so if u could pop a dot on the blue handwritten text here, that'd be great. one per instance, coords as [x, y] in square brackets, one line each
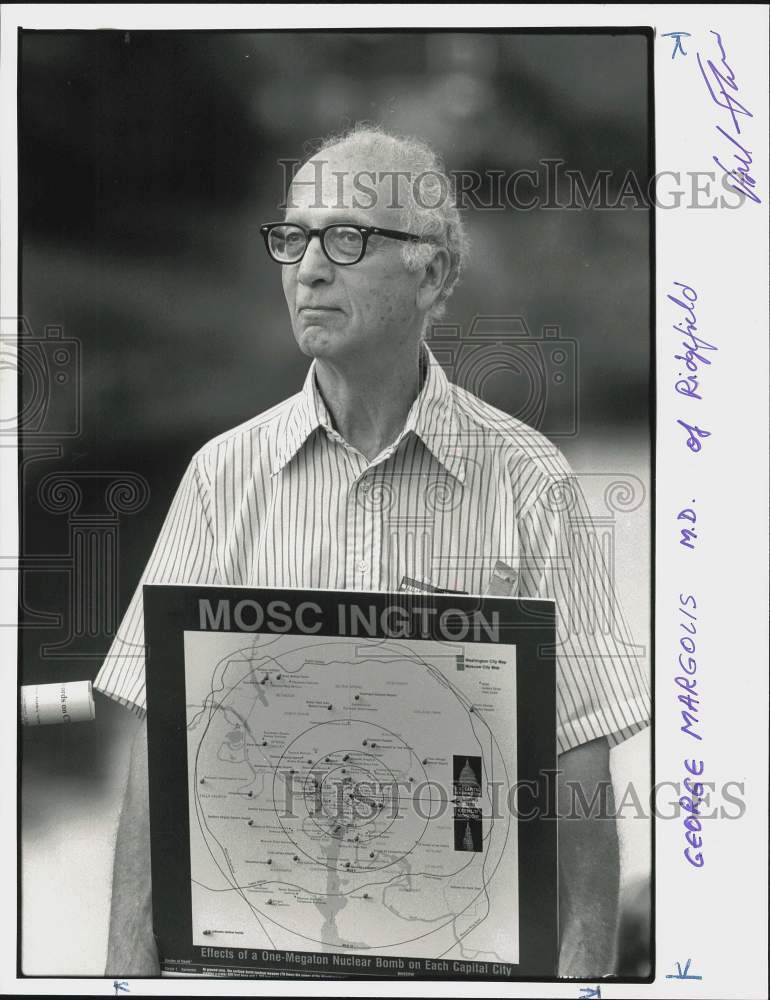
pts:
[721, 83]
[693, 357]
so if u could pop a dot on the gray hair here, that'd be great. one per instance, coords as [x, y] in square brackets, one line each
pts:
[433, 214]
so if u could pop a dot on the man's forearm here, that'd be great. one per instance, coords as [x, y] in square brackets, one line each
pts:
[131, 949]
[589, 864]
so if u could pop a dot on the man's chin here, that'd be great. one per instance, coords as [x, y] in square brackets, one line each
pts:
[317, 341]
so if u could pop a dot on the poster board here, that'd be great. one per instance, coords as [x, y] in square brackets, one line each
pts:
[341, 784]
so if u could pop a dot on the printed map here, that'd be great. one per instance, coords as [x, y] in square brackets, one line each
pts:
[352, 795]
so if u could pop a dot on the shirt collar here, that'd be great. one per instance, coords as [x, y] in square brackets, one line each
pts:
[431, 417]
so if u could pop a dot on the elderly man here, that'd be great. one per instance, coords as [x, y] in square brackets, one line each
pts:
[324, 490]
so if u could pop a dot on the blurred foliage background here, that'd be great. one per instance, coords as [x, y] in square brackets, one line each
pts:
[150, 159]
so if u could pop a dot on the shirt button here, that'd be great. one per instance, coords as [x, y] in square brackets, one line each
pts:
[365, 486]
[362, 566]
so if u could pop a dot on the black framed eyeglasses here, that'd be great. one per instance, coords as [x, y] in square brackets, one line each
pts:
[286, 242]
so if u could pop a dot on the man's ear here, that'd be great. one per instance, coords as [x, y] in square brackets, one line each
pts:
[433, 278]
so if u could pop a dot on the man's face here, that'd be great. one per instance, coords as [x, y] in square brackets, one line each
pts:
[349, 312]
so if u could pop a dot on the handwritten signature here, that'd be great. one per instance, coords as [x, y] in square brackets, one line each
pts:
[721, 83]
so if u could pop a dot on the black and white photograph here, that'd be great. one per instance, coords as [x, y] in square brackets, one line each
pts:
[347, 338]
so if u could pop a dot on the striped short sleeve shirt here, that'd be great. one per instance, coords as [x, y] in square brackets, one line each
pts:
[284, 501]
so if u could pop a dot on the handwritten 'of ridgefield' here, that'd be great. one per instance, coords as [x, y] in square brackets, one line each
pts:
[693, 358]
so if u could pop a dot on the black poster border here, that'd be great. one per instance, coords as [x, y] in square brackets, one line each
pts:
[170, 610]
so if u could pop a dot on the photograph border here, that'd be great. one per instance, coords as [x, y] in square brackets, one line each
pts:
[680, 246]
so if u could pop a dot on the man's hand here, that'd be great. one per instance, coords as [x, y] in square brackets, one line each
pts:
[589, 866]
[131, 949]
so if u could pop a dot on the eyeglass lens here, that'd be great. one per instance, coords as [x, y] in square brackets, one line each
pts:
[343, 244]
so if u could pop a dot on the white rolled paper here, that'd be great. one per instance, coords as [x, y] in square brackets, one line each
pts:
[48, 704]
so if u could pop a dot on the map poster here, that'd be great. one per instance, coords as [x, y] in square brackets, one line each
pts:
[351, 784]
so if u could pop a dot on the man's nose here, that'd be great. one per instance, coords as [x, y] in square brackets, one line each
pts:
[315, 266]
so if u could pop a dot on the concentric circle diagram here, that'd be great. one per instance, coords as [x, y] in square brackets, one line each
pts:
[363, 798]
[325, 797]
